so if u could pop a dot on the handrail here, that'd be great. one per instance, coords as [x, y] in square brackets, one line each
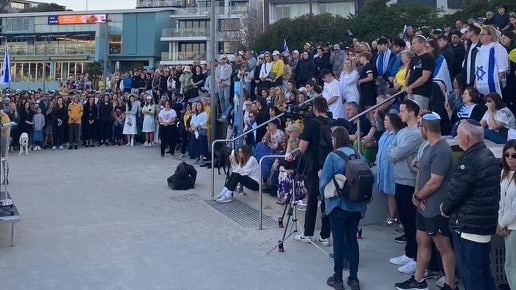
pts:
[232, 140]
[236, 138]
[359, 149]
[375, 106]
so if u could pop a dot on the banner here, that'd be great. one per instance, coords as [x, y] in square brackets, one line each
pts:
[6, 68]
[76, 19]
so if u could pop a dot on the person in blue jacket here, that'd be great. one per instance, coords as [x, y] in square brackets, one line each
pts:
[343, 214]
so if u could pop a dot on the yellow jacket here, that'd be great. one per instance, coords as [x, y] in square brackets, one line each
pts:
[278, 68]
[74, 113]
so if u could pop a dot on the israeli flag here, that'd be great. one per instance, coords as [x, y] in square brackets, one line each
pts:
[285, 46]
[6, 69]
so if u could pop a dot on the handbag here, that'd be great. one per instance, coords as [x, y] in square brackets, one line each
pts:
[203, 132]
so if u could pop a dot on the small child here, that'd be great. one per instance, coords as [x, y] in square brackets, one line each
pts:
[38, 122]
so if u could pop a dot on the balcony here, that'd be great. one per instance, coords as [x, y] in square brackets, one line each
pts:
[185, 32]
[206, 11]
[160, 3]
[183, 56]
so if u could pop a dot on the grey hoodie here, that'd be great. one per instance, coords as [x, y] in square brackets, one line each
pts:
[402, 152]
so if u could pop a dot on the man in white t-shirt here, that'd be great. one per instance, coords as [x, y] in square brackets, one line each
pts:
[331, 92]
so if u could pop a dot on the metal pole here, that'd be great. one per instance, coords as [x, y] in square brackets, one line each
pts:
[106, 53]
[212, 59]
[45, 67]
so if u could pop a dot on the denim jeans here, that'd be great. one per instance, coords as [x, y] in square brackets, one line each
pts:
[344, 227]
[224, 97]
[407, 215]
[473, 261]
[494, 136]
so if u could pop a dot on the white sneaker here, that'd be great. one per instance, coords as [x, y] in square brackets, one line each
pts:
[409, 268]
[302, 238]
[53, 147]
[400, 261]
[440, 282]
[221, 194]
[324, 242]
[61, 147]
[224, 199]
[145, 144]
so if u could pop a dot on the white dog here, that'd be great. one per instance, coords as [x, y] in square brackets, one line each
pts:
[24, 143]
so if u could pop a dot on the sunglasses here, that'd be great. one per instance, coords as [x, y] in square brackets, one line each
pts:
[513, 155]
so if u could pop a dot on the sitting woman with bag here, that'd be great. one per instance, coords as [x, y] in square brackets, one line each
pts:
[245, 171]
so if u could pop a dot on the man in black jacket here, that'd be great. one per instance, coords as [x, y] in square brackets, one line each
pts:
[471, 203]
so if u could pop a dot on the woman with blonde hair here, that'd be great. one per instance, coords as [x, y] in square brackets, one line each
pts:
[348, 82]
[401, 76]
[491, 62]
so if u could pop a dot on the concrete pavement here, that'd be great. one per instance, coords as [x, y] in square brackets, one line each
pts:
[104, 218]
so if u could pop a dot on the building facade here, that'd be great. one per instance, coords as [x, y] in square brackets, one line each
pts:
[277, 9]
[189, 37]
[52, 46]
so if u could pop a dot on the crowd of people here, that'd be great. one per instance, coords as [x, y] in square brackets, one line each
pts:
[457, 81]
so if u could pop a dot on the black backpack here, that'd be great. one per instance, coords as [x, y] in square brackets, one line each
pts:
[325, 144]
[359, 178]
[183, 178]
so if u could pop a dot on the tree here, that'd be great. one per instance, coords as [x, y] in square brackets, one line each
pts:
[241, 32]
[94, 69]
[307, 28]
[45, 7]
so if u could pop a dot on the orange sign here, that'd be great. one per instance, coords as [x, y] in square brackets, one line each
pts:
[76, 19]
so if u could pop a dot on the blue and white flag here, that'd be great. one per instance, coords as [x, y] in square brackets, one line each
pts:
[6, 68]
[285, 46]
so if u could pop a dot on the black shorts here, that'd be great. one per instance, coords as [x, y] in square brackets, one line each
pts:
[433, 226]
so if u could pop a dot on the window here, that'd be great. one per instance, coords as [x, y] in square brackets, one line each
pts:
[232, 24]
[115, 44]
[16, 24]
[192, 51]
[340, 8]
[281, 11]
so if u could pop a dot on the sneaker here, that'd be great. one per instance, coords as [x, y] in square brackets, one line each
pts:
[411, 284]
[217, 196]
[324, 242]
[53, 147]
[441, 283]
[353, 283]
[401, 239]
[61, 147]
[447, 287]
[75, 147]
[389, 222]
[400, 228]
[433, 275]
[338, 285]
[224, 199]
[409, 268]
[400, 261]
[181, 156]
[302, 238]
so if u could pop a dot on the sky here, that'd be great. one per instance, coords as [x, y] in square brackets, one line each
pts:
[80, 5]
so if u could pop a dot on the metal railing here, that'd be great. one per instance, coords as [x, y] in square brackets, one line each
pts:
[260, 227]
[238, 137]
[357, 117]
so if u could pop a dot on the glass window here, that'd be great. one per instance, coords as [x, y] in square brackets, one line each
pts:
[115, 44]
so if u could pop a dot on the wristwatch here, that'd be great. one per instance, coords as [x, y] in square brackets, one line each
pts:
[416, 197]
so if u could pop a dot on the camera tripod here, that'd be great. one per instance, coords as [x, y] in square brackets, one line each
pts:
[291, 211]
